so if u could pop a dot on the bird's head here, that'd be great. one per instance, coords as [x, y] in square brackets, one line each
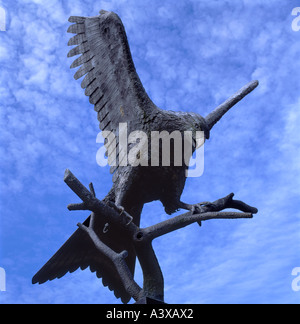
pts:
[200, 124]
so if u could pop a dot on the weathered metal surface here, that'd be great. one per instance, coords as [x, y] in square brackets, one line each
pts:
[114, 88]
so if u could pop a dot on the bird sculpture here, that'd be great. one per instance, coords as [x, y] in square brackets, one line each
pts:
[114, 88]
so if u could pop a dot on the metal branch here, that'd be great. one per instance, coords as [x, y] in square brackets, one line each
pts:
[90, 202]
[175, 223]
[153, 285]
[132, 288]
[208, 211]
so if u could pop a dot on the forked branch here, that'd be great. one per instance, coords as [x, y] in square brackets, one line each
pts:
[142, 237]
[118, 259]
[209, 211]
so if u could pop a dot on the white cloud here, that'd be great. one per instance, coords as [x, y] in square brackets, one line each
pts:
[191, 56]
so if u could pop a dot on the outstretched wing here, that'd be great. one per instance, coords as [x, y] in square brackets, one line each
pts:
[80, 252]
[110, 81]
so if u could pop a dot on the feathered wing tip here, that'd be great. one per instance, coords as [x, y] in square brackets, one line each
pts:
[79, 252]
[109, 75]
[220, 111]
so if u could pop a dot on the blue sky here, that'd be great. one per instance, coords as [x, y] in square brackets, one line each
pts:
[190, 56]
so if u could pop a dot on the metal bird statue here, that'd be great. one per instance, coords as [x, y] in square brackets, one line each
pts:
[118, 96]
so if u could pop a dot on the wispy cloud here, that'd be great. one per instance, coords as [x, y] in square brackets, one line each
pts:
[190, 56]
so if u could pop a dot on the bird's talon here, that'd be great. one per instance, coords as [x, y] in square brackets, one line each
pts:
[130, 219]
[192, 210]
[197, 208]
[121, 210]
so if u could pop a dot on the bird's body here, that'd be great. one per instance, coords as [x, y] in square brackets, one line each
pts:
[118, 96]
[137, 185]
